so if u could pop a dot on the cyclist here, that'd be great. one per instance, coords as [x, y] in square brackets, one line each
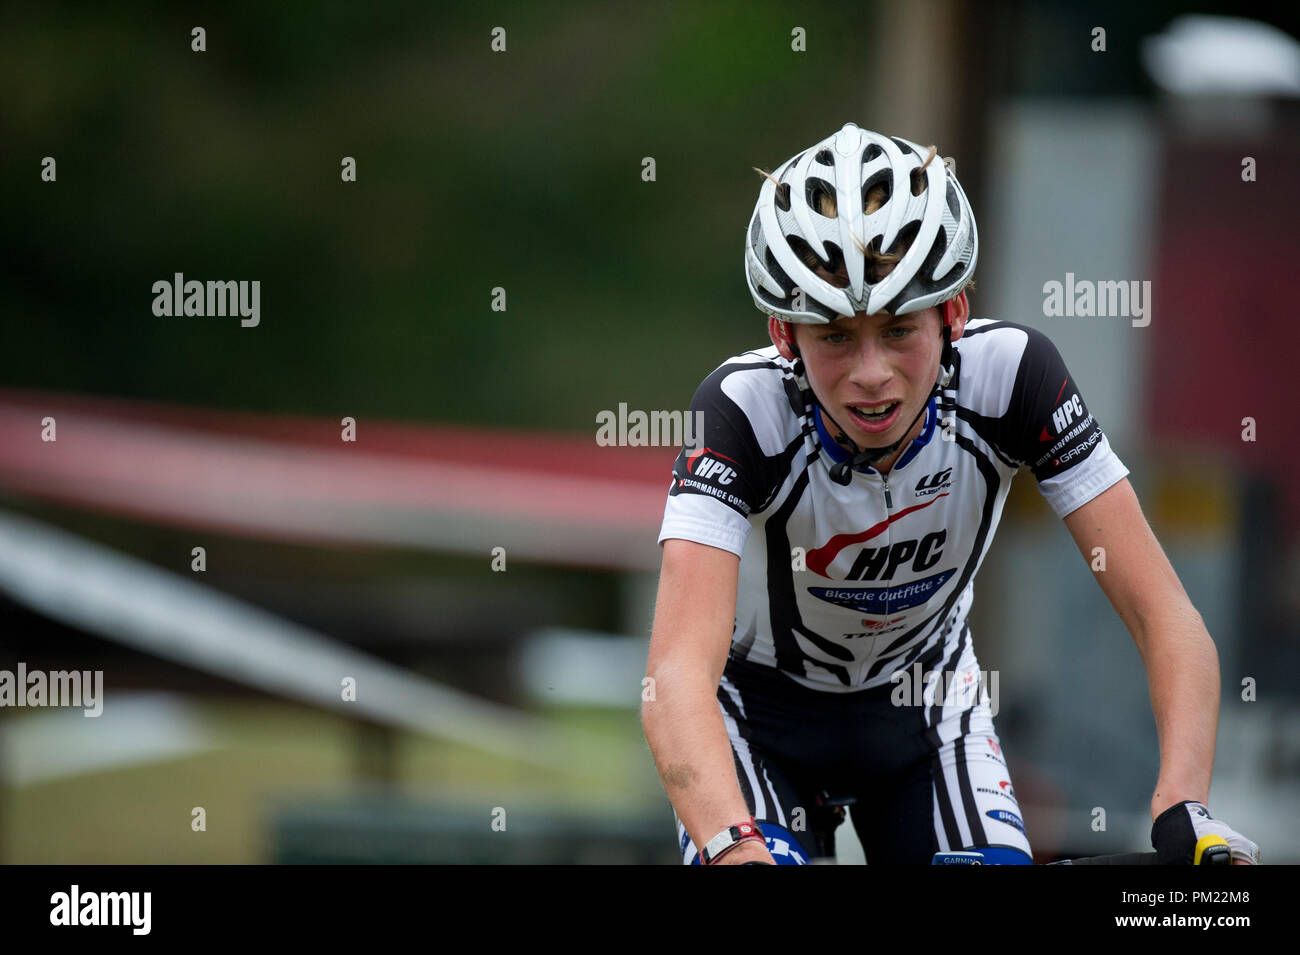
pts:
[821, 539]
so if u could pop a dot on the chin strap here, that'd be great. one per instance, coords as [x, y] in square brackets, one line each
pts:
[947, 386]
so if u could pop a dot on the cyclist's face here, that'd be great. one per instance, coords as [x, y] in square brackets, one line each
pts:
[873, 372]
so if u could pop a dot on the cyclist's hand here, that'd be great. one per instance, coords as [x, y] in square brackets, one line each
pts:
[1178, 829]
[751, 850]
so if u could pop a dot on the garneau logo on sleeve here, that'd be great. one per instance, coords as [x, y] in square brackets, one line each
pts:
[1069, 438]
[1070, 420]
[1080, 449]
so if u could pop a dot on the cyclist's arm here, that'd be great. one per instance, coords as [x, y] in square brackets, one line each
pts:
[693, 622]
[1181, 661]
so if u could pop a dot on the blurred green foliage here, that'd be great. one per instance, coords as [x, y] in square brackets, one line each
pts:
[476, 169]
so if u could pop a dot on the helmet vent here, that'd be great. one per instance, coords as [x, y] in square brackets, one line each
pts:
[836, 272]
[876, 191]
[820, 197]
[919, 181]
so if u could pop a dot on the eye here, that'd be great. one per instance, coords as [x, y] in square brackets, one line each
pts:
[831, 338]
[898, 331]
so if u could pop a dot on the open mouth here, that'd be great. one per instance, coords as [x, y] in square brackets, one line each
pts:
[874, 414]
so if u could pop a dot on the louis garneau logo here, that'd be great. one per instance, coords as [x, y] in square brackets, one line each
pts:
[75, 907]
[934, 483]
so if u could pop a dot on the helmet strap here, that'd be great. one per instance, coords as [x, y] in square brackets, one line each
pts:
[948, 375]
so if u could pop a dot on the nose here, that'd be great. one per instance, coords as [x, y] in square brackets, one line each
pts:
[871, 372]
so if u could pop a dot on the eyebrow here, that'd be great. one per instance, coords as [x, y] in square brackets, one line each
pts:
[837, 325]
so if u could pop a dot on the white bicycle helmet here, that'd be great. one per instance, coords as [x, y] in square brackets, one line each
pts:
[938, 221]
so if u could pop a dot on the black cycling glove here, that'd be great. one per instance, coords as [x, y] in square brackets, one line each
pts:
[1177, 831]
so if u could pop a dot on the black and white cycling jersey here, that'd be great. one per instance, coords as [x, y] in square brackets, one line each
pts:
[842, 585]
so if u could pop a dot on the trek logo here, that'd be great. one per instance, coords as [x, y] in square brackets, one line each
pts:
[880, 563]
[879, 624]
[877, 628]
[1063, 415]
[706, 466]
[934, 483]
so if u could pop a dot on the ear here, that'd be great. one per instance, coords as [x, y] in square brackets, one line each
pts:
[954, 313]
[782, 335]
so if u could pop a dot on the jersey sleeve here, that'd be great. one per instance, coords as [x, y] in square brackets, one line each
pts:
[1051, 430]
[721, 475]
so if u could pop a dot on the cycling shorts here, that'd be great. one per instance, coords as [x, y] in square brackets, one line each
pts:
[925, 778]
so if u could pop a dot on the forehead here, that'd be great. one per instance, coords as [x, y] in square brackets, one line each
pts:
[862, 320]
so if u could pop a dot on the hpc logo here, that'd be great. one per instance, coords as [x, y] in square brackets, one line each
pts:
[1065, 414]
[707, 465]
